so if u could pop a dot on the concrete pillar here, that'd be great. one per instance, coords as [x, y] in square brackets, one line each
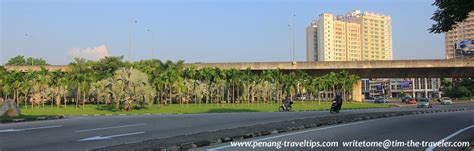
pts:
[415, 83]
[426, 88]
[357, 91]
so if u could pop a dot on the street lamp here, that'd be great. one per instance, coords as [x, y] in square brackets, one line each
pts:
[293, 37]
[29, 36]
[152, 44]
[130, 40]
[290, 42]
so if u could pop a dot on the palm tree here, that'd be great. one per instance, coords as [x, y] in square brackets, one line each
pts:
[63, 83]
[56, 87]
[44, 78]
[231, 80]
[15, 78]
[77, 75]
[208, 75]
[3, 75]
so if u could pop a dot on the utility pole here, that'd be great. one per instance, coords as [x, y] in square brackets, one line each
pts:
[32, 60]
[290, 42]
[152, 43]
[130, 41]
[293, 37]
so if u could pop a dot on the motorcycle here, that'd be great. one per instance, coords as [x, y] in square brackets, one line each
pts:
[284, 108]
[335, 107]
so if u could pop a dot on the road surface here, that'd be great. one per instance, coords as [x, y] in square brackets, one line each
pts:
[82, 133]
[450, 126]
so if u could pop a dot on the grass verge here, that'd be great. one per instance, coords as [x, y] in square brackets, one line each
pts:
[186, 108]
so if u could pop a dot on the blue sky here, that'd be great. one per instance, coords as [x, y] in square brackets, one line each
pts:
[195, 30]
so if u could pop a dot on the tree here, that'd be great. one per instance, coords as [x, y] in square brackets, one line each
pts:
[79, 69]
[56, 87]
[14, 79]
[105, 67]
[64, 88]
[27, 85]
[43, 85]
[449, 13]
[128, 86]
[35, 61]
[21, 61]
[3, 75]
[17, 61]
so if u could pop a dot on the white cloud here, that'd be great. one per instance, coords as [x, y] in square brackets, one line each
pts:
[95, 53]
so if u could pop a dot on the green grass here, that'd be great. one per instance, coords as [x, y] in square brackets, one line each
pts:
[187, 108]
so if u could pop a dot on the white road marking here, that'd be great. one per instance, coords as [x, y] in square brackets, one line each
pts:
[103, 128]
[289, 134]
[26, 129]
[109, 137]
[450, 136]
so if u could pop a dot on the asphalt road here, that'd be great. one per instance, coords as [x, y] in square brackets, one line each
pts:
[82, 133]
[451, 126]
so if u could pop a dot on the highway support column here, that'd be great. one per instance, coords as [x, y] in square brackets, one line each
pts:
[357, 91]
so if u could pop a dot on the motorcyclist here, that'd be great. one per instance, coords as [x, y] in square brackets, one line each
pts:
[337, 103]
[287, 103]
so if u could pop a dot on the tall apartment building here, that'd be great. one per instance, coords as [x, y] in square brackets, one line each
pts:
[350, 37]
[361, 36]
[462, 31]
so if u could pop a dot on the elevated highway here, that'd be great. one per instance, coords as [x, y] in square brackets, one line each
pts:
[364, 69]
[453, 68]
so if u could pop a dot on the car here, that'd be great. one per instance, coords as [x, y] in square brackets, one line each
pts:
[380, 100]
[423, 103]
[405, 99]
[369, 99]
[445, 101]
[411, 101]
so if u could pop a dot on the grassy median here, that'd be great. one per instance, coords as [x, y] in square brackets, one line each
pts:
[186, 108]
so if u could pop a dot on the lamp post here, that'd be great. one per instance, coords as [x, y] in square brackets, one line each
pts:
[293, 37]
[290, 42]
[29, 36]
[130, 40]
[152, 44]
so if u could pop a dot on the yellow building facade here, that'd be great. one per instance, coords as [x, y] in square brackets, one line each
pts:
[350, 37]
[462, 31]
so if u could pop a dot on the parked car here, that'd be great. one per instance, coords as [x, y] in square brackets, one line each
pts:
[411, 101]
[445, 101]
[300, 97]
[381, 100]
[369, 99]
[423, 102]
[405, 99]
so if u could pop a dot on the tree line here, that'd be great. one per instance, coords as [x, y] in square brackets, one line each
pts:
[463, 88]
[133, 85]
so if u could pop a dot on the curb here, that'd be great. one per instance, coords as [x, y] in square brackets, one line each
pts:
[28, 119]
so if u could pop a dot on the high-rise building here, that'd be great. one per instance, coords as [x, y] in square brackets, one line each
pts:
[362, 36]
[462, 31]
[349, 37]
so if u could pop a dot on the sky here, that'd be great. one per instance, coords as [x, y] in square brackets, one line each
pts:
[195, 30]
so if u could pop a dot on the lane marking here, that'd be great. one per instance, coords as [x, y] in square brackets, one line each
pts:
[450, 136]
[103, 128]
[27, 129]
[109, 137]
[289, 134]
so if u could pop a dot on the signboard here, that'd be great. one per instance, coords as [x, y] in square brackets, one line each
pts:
[464, 48]
[407, 84]
[378, 88]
